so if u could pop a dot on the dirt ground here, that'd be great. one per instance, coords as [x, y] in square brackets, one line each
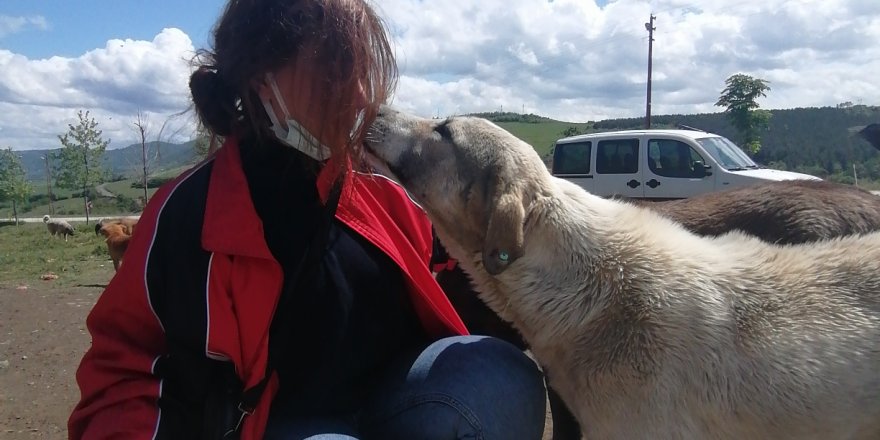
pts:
[42, 338]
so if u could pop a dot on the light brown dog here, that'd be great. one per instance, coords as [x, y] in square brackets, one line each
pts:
[647, 330]
[128, 223]
[117, 241]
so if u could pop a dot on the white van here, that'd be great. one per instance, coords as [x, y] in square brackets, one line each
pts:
[658, 164]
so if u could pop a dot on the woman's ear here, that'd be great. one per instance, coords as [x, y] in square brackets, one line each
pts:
[504, 234]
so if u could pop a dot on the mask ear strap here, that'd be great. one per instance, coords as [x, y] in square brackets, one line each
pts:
[271, 79]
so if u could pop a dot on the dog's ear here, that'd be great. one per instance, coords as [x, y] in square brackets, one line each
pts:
[504, 234]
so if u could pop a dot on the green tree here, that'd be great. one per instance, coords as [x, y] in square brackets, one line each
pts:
[571, 131]
[81, 161]
[739, 99]
[14, 186]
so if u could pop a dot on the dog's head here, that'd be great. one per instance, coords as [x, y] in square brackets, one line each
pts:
[112, 229]
[473, 178]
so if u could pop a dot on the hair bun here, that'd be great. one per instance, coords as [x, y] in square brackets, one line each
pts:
[214, 100]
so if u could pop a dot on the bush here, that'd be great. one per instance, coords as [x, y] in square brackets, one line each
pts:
[39, 199]
[90, 193]
[153, 182]
[127, 204]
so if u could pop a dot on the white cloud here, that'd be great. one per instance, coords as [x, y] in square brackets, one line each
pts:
[567, 59]
[11, 25]
[38, 98]
[575, 61]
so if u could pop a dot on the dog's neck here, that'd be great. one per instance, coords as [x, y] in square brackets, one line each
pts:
[612, 294]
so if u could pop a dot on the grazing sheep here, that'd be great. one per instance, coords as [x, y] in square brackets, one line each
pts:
[117, 241]
[646, 329]
[58, 227]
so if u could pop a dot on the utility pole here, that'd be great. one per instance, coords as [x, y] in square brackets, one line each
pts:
[49, 183]
[650, 27]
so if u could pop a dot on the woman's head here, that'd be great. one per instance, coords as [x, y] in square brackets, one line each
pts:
[330, 58]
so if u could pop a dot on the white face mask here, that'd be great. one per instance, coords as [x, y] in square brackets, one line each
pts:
[295, 135]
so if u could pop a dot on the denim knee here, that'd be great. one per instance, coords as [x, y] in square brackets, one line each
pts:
[463, 387]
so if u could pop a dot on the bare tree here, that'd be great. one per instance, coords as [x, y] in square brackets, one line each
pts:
[140, 125]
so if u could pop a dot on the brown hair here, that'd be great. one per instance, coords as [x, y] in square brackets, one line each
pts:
[343, 40]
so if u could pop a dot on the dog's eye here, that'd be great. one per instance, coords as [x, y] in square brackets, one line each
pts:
[443, 131]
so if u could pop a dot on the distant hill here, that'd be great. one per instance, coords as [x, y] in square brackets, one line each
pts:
[538, 131]
[819, 141]
[122, 162]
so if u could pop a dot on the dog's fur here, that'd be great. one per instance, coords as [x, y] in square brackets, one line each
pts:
[647, 330]
[128, 224]
[786, 212]
[58, 227]
[791, 211]
[117, 241]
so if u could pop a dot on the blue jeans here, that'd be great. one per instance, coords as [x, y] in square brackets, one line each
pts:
[464, 387]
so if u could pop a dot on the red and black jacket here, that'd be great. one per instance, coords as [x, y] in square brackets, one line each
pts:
[199, 277]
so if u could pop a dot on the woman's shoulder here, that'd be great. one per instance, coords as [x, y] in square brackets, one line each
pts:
[180, 201]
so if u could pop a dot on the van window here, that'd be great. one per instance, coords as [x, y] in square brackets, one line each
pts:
[572, 158]
[617, 156]
[672, 158]
[726, 153]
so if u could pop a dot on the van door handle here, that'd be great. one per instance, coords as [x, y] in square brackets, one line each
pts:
[653, 183]
[633, 183]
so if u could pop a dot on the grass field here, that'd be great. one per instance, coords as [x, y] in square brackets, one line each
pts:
[27, 252]
[66, 204]
[541, 136]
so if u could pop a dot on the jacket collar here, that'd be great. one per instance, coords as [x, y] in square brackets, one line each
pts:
[231, 225]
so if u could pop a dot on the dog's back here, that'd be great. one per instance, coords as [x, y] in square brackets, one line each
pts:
[694, 337]
[793, 211]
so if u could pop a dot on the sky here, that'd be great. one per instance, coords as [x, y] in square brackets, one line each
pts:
[571, 60]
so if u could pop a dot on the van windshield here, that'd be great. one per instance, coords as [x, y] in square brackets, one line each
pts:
[726, 153]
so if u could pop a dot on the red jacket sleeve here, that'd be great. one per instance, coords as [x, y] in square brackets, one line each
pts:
[119, 390]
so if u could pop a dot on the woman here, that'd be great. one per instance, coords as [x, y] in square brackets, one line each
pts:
[275, 291]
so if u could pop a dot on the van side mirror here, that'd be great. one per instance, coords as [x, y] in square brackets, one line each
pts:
[701, 170]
